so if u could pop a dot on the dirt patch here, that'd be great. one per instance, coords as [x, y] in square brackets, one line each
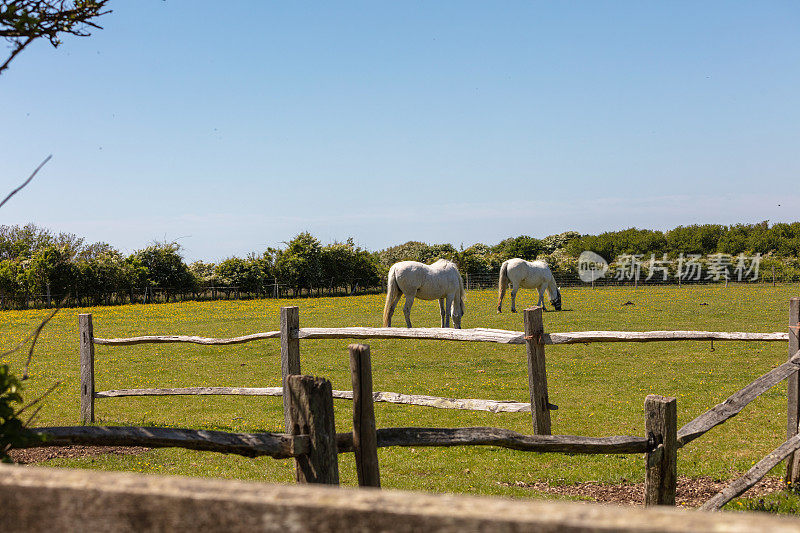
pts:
[691, 492]
[45, 453]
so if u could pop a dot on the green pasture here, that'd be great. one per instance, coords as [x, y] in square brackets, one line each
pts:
[599, 388]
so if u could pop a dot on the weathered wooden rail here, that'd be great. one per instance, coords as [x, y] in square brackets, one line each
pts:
[501, 336]
[660, 445]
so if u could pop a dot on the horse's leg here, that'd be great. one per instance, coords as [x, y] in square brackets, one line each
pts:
[407, 309]
[446, 314]
[442, 311]
[514, 289]
[457, 312]
[541, 297]
[392, 307]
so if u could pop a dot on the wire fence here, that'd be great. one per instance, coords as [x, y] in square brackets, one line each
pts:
[152, 295]
[482, 281]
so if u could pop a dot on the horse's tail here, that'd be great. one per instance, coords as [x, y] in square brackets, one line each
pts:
[392, 294]
[462, 294]
[501, 289]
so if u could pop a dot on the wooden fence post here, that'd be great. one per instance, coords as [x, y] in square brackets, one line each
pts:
[86, 333]
[793, 407]
[365, 436]
[290, 353]
[661, 473]
[311, 413]
[537, 372]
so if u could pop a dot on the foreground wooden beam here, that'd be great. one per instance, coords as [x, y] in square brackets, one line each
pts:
[754, 475]
[40, 499]
[485, 436]
[735, 403]
[277, 445]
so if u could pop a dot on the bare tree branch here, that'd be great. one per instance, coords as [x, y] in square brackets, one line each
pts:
[27, 181]
[34, 332]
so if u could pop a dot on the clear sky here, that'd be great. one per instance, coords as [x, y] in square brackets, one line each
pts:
[233, 126]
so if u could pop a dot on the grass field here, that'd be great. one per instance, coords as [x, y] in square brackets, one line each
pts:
[600, 388]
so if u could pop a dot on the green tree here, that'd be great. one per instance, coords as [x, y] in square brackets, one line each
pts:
[696, 239]
[345, 265]
[50, 271]
[164, 267]
[300, 265]
[524, 247]
[249, 275]
[10, 287]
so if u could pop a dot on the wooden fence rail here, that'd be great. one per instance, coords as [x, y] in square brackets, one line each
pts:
[504, 438]
[277, 445]
[500, 336]
[469, 404]
[735, 403]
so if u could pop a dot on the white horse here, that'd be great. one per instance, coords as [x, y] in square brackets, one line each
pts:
[439, 281]
[529, 275]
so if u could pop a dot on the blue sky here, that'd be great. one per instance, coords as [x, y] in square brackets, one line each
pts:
[233, 126]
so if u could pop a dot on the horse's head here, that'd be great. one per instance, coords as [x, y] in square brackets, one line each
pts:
[557, 300]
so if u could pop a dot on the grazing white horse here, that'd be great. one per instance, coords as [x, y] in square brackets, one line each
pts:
[529, 275]
[439, 281]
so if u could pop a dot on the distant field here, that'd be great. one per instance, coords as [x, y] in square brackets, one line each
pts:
[600, 388]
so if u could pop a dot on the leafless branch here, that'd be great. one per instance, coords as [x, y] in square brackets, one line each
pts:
[34, 332]
[27, 181]
[46, 393]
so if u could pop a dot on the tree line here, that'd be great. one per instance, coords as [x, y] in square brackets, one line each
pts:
[38, 263]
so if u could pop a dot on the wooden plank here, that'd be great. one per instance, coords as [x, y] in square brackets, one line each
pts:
[364, 430]
[537, 370]
[657, 336]
[504, 438]
[446, 334]
[661, 475]
[468, 404]
[290, 353]
[209, 341]
[469, 335]
[753, 476]
[276, 445]
[311, 413]
[86, 333]
[793, 394]
[518, 337]
[193, 391]
[66, 499]
[733, 405]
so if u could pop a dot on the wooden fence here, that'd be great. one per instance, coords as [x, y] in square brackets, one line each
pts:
[311, 440]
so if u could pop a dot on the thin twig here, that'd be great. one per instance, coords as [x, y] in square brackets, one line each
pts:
[36, 337]
[41, 397]
[33, 332]
[27, 181]
[19, 48]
